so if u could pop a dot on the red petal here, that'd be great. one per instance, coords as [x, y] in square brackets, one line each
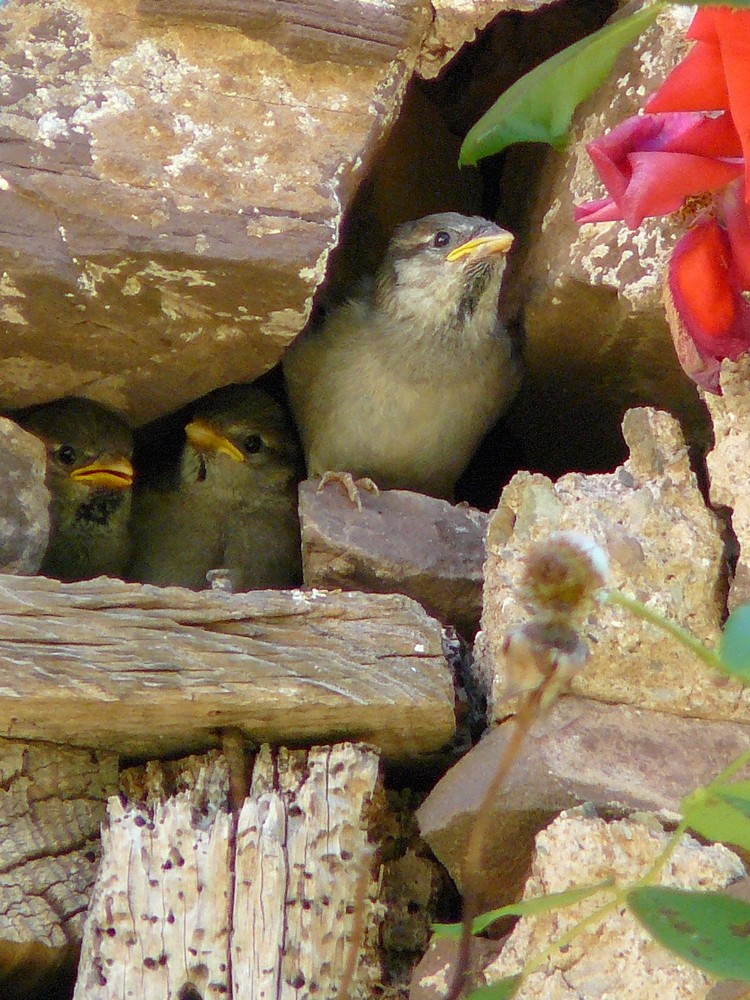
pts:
[712, 310]
[660, 182]
[695, 84]
[734, 215]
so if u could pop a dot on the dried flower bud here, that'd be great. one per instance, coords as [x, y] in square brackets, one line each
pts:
[562, 574]
[538, 652]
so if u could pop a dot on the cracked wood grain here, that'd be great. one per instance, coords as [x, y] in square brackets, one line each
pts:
[183, 908]
[153, 671]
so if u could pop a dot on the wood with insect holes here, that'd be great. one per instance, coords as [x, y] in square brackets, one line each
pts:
[273, 912]
[152, 671]
[52, 804]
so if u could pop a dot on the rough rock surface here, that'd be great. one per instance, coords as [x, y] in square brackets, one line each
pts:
[171, 188]
[455, 22]
[24, 500]
[729, 464]
[597, 340]
[614, 756]
[399, 542]
[664, 548]
[615, 956]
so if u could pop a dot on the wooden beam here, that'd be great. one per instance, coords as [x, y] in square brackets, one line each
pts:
[151, 671]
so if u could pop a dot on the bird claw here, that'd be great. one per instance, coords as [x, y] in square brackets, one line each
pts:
[350, 484]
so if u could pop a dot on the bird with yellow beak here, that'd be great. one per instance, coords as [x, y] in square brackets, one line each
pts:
[89, 475]
[229, 503]
[401, 382]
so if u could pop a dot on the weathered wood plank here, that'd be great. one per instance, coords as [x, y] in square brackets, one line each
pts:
[151, 671]
[182, 909]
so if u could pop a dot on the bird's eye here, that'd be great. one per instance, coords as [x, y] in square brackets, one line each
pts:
[252, 444]
[65, 454]
[441, 239]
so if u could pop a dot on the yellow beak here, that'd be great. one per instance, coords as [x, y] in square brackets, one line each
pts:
[204, 437]
[109, 473]
[483, 246]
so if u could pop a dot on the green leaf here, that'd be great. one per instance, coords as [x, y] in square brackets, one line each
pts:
[526, 908]
[734, 645]
[539, 107]
[738, 793]
[716, 820]
[708, 929]
[503, 989]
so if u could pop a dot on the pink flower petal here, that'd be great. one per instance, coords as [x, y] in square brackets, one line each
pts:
[601, 210]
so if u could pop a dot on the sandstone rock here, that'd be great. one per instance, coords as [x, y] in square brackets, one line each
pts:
[171, 188]
[432, 976]
[664, 548]
[614, 956]
[455, 22]
[729, 463]
[24, 500]
[399, 542]
[597, 341]
[616, 757]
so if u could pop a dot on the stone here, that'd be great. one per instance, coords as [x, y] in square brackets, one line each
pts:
[432, 975]
[597, 341]
[400, 542]
[665, 548]
[617, 757]
[456, 22]
[171, 187]
[613, 956]
[728, 464]
[24, 500]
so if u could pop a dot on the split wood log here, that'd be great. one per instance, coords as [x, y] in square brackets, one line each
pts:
[184, 910]
[152, 671]
[52, 802]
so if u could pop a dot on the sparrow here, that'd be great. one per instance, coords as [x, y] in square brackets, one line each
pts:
[401, 382]
[229, 502]
[89, 475]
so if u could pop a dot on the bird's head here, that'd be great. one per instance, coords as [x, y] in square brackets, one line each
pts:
[446, 266]
[89, 448]
[238, 436]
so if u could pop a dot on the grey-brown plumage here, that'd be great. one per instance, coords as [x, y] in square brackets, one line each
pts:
[230, 503]
[402, 382]
[89, 475]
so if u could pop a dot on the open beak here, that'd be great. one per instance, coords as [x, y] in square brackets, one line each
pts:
[204, 437]
[483, 246]
[107, 473]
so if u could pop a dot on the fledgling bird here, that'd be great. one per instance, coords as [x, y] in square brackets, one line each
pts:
[401, 382]
[89, 475]
[230, 503]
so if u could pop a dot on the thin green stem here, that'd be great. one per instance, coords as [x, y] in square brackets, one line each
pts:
[640, 610]
[737, 764]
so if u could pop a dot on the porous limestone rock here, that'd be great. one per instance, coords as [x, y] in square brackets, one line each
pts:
[597, 340]
[617, 757]
[614, 956]
[664, 548]
[729, 464]
[171, 186]
[24, 500]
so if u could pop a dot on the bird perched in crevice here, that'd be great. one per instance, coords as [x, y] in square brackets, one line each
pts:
[401, 382]
[228, 503]
[89, 475]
